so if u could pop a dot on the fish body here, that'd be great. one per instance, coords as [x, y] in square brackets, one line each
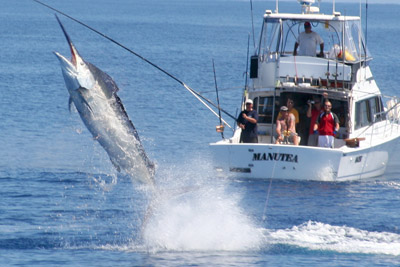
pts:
[94, 94]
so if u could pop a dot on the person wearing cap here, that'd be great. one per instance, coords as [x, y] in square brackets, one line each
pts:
[247, 121]
[290, 106]
[286, 126]
[308, 41]
[315, 108]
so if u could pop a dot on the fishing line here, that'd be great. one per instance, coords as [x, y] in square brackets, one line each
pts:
[264, 216]
[195, 93]
[222, 89]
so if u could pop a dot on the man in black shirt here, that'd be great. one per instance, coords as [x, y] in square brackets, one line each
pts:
[247, 121]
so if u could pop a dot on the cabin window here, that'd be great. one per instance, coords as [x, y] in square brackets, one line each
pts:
[369, 111]
[363, 114]
[378, 110]
[265, 109]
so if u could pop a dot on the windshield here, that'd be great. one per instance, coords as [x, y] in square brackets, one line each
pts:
[280, 35]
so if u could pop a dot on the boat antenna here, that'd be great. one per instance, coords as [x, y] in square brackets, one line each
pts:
[333, 7]
[196, 94]
[220, 128]
[366, 28]
[252, 24]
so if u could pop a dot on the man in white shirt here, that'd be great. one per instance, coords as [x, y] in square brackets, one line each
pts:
[308, 41]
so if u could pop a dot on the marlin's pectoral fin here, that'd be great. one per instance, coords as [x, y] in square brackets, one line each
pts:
[80, 90]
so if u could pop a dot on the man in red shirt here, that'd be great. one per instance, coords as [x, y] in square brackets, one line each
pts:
[327, 125]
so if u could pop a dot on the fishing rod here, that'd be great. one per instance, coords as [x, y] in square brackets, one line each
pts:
[220, 128]
[200, 97]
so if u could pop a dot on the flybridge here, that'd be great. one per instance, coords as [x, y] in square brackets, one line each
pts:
[345, 50]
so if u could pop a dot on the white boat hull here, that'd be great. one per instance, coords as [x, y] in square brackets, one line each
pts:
[263, 161]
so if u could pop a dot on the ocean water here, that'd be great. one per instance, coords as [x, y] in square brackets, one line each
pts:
[63, 204]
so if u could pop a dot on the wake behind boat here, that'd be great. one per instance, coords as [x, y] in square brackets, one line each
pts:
[368, 122]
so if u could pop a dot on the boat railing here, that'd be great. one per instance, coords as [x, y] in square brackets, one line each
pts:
[392, 113]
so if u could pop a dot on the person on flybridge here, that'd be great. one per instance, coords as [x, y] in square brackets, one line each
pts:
[308, 41]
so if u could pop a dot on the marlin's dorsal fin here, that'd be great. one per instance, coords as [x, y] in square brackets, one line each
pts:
[110, 87]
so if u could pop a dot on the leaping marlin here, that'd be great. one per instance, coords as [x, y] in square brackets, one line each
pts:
[94, 94]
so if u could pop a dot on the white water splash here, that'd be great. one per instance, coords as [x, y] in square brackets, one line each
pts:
[105, 184]
[320, 236]
[201, 218]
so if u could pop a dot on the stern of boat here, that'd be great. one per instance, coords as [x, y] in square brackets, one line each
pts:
[263, 161]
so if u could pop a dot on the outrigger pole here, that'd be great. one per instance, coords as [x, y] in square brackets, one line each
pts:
[246, 74]
[220, 128]
[252, 24]
[196, 94]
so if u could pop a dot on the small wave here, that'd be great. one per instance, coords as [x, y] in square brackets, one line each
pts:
[29, 243]
[391, 184]
[343, 239]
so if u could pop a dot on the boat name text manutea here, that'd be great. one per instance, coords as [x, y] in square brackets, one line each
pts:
[275, 157]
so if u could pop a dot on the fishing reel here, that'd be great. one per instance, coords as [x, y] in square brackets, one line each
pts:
[220, 128]
[286, 133]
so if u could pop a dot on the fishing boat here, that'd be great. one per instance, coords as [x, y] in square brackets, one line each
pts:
[369, 121]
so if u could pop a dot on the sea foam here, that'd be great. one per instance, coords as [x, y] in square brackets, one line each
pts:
[203, 216]
[343, 239]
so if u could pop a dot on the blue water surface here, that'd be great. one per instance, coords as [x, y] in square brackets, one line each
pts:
[63, 204]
